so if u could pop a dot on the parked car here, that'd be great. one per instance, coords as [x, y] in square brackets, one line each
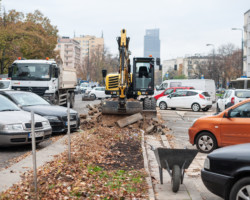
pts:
[232, 97]
[98, 93]
[15, 126]
[57, 115]
[194, 99]
[226, 172]
[226, 128]
[206, 85]
[5, 84]
[169, 91]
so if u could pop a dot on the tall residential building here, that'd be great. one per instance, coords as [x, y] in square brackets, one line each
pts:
[70, 52]
[152, 43]
[89, 43]
[247, 43]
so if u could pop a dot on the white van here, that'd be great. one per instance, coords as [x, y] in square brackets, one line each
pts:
[206, 85]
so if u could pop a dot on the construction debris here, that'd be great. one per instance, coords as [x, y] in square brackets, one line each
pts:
[129, 120]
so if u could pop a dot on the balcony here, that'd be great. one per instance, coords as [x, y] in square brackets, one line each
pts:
[68, 49]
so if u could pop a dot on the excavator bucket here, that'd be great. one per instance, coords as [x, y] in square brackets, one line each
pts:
[112, 107]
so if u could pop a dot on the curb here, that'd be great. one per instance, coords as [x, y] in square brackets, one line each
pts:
[151, 194]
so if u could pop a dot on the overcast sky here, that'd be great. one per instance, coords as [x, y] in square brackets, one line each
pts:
[186, 26]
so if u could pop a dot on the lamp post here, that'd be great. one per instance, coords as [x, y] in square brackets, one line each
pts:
[242, 46]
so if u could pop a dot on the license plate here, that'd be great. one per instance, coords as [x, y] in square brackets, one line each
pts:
[71, 123]
[37, 134]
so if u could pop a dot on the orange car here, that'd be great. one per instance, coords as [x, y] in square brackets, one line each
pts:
[229, 127]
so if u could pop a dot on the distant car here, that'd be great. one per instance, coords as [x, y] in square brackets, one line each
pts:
[98, 93]
[57, 115]
[15, 125]
[232, 97]
[229, 127]
[5, 84]
[169, 91]
[194, 99]
[77, 89]
[226, 172]
[83, 87]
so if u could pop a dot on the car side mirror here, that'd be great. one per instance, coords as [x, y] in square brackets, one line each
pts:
[227, 113]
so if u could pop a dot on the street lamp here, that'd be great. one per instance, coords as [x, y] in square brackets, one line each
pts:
[242, 45]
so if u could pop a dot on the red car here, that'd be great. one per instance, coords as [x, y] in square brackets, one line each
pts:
[171, 90]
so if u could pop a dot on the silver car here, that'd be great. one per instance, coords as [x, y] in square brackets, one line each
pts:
[15, 125]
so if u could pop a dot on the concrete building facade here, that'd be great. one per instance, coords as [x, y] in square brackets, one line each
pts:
[89, 43]
[152, 43]
[246, 67]
[70, 52]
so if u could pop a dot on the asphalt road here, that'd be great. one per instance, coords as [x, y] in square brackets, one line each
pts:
[9, 155]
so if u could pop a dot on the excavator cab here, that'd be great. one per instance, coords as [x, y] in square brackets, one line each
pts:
[143, 76]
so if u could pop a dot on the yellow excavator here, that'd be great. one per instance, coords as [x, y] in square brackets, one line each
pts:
[131, 90]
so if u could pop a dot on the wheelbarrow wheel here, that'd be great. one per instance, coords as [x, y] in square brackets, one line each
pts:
[176, 178]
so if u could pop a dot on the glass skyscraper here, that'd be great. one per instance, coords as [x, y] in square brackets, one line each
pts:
[152, 43]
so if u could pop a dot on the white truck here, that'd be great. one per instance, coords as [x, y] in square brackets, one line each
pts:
[206, 85]
[45, 78]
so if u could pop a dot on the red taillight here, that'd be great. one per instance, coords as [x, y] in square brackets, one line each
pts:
[201, 96]
[232, 100]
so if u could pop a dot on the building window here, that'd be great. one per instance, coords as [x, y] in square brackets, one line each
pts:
[59, 46]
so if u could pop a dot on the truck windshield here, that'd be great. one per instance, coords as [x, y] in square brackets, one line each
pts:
[144, 75]
[30, 71]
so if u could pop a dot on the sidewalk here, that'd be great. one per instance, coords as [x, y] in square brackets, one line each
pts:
[192, 187]
[12, 175]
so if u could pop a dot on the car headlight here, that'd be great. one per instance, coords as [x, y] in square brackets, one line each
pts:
[207, 163]
[46, 124]
[52, 118]
[13, 127]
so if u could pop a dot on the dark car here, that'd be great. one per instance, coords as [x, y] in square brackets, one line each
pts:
[226, 172]
[57, 115]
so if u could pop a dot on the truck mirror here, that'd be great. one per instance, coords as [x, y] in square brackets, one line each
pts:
[104, 73]
[57, 72]
[160, 67]
[158, 61]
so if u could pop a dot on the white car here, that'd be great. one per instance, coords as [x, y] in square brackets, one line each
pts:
[5, 84]
[232, 97]
[98, 93]
[194, 99]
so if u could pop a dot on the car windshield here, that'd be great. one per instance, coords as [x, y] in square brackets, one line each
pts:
[28, 99]
[4, 84]
[7, 105]
[31, 71]
[242, 94]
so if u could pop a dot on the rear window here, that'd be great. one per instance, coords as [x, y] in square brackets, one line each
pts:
[205, 94]
[242, 94]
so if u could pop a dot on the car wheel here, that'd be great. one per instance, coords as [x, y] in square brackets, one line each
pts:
[241, 189]
[205, 109]
[176, 178]
[206, 142]
[163, 105]
[196, 107]
[93, 96]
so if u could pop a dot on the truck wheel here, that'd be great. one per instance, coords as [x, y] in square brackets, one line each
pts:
[176, 178]
[72, 100]
[153, 104]
[55, 99]
[147, 104]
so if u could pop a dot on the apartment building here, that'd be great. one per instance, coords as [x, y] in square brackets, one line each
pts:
[90, 43]
[246, 67]
[70, 52]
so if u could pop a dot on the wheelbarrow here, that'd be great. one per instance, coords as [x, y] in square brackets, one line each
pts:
[175, 161]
